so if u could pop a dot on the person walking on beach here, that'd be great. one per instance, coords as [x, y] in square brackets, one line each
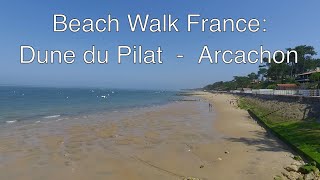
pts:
[210, 107]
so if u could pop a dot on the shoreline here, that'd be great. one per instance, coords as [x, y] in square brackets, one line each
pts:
[51, 117]
[173, 141]
[23, 104]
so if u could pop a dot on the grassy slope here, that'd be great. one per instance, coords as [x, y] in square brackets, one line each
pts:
[305, 135]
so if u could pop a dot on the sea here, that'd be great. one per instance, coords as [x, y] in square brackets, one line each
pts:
[35, 104]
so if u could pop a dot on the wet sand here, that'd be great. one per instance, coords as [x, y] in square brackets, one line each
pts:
[174, 141]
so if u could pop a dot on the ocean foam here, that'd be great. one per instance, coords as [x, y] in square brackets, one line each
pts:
[59, 119]
[13, 121]
[53, 116]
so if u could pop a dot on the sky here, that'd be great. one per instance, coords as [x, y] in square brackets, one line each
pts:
[289, 23]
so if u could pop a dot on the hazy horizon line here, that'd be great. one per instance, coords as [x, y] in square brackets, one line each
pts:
[86, 87]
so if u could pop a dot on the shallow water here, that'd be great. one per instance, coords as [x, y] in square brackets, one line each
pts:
[104, 145]
[19, 104]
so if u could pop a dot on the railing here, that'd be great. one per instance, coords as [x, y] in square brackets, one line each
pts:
[315, 92]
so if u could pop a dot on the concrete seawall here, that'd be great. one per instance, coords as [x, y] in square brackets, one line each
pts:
[296, 107]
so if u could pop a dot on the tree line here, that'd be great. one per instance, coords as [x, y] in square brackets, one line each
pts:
[270, 73]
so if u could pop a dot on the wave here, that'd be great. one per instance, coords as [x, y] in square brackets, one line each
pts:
[59, 119]
[13, 121]
[53, 116]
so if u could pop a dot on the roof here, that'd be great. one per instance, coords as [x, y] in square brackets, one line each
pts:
[287, 85]
[310, 72]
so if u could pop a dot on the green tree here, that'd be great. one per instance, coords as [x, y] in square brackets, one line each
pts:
[274, 72]
[253, 76]
[315, 77]
[241, 81]
[277, 72]
[305, 57]
[262, 72]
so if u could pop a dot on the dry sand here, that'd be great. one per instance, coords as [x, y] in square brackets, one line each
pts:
[254, 153]
[173, 141]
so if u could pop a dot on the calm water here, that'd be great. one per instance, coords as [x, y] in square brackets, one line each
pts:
[20, 104]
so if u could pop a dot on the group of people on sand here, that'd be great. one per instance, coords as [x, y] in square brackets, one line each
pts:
[233, 102]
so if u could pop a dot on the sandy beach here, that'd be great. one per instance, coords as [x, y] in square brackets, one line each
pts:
[174, 141]
[254, 153]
